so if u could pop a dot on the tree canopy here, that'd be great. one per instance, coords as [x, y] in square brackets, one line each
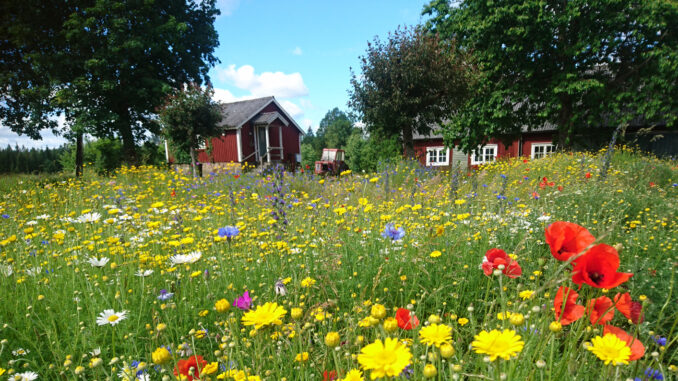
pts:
[106, 64]
[190, 117]
[574, 64]
[408, 83]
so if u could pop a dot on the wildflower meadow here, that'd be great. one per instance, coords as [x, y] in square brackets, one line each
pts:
[561, 268]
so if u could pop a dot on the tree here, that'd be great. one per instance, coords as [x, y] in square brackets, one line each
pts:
[408, 83]
[189, 117]
[107, 64]
[335, 128]
[575, 64]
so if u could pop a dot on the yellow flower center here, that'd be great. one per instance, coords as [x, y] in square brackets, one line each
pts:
[113, 318]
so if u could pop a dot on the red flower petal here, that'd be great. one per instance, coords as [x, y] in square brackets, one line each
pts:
[567, 239]
[405, 319]
[598, 268]
[630, 309]
[571, 311]
[600, 310]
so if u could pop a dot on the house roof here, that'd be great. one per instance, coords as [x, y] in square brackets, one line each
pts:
[238, 113]
[436, 131]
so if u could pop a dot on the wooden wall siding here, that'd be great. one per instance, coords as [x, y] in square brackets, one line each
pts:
[291, 138]
[274, 139]
[247, 142]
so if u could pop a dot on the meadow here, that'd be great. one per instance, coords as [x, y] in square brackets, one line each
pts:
[520, 270]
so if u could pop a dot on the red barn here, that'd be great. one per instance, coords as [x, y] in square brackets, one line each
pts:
[255, 131]
[430, 150]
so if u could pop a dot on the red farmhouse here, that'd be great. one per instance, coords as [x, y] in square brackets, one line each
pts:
[535, 144]
[255, 131]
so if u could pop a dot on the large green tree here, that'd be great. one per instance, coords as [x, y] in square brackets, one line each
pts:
[190, 117]
[408, 83]
[575, 64]
[107, 64]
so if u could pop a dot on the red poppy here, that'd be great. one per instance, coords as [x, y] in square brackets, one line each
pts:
[406, 320]
[637, 348]
[567, 239]
[560, 188]
[629, 308]
[588, 175]
[598, 268]
[572, 311]
[330, 375]
[183, 367]
[495, 257]
[174, 193]
[600, 310]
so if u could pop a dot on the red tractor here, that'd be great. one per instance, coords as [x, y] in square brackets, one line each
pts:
[331, 162]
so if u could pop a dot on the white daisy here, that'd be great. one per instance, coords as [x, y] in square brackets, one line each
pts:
[89, 217]
[96, 352]
[143, 273]
[25, 376]
[96, 262]
[43, 217]
[6, 270]
[111, 317]
[34, 271]
[181, 259]
[31, 223]
[20, 352]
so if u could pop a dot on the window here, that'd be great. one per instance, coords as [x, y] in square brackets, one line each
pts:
[202, 143]
[485, 154]
[540, 150]
[436, 156]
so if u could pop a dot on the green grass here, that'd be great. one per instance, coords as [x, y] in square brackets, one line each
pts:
[333, 236]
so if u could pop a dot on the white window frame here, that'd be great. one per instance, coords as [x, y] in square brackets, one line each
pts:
[483, 153]
[437, 162]
[545, 152]
[202, 143]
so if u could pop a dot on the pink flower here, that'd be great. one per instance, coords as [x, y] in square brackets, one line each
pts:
[243, 302]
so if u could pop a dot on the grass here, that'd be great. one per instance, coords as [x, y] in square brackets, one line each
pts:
[335, 266]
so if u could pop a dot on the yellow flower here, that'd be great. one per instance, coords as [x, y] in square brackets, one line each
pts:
[307, 282]
[430, 371]
[297, 313]
[527, 294]
[161, 356]
[332, 339]
[387, 358]
[447, 351]
[498, 344]
[269, 313]
[301, 357]
[2, 371]
[610, 349]
[222, 305]
[435, 334]
[555, 327]
[462, 321]
[354, 375]
[210, 368]
[390, 324]
[517, 318]
[378, 311]
[435, 254]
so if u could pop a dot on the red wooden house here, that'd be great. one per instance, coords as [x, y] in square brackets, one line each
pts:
[535, 144]
[255, 131]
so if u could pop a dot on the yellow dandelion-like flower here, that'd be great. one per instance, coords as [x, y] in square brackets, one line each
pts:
[435, 334]
[527, 294]
[269, 313]
[610, 349]
[387, 358]
[354, 375]
[496, 343]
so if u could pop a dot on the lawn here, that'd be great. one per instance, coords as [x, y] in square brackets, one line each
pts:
[149, 274]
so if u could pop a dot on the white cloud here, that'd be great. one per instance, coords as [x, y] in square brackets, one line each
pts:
[227, 7]
[8, 137]
[225, 96]
[277, 83]
[297, 51]
[291, 108]
[306, 123]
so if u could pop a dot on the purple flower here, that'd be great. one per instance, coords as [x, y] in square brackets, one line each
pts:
[5, 216]
[228, 232]
[243, 302]
[164, 295]
[391, 232]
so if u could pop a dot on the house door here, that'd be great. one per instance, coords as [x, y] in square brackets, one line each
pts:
[262, 141]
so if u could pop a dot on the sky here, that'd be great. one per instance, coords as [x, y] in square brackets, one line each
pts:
[300, 51]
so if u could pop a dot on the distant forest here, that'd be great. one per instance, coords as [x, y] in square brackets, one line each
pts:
[23, 160]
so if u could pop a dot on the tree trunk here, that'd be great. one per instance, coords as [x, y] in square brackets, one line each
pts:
[408, 143]
[78, 154]
[129, 147]
[192, 152]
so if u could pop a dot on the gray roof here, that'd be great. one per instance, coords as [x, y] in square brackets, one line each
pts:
[269, 117]
[237, 113]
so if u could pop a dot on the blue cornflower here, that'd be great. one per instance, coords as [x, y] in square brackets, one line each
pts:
[228, 232]
[5, 216]
[391, 232]
[660, 340]
[653, 374]
[164, 295]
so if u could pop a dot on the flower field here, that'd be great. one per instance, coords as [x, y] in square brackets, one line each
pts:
[549, 269]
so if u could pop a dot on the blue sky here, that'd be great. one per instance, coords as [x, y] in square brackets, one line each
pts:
[299, 51]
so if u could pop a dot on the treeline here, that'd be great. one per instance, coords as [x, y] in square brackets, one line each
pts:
[338, 129]
[24, 160]
[101, 155]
